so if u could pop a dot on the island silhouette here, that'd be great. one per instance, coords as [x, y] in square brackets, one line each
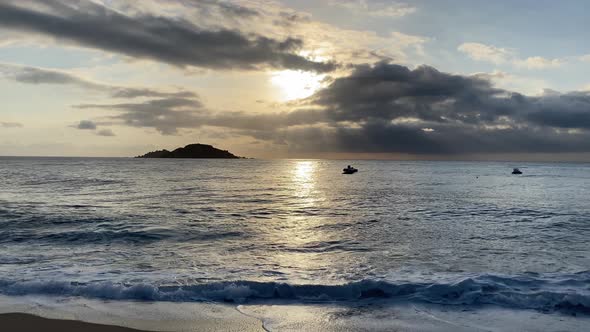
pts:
[192, 151]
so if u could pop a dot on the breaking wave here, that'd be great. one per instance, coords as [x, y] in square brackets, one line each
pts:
[570, 292]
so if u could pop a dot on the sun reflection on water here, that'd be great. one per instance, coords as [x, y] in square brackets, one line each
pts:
[304, 183]
[299, 242]
[304, 172]
[299, 233]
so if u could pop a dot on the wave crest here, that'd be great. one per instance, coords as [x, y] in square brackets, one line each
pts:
[554, 293]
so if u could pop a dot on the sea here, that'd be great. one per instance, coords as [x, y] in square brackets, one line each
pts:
[297, 245]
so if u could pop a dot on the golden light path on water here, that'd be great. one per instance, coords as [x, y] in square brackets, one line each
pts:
[304, 179]
[298, 232]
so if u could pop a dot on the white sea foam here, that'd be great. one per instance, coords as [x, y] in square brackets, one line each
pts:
[568, 293]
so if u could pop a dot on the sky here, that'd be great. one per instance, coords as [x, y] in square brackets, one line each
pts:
[423, 79]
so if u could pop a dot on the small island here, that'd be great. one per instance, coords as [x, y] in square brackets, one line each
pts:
[192, 151]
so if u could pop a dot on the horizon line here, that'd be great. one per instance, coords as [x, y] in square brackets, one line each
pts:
[314, 158]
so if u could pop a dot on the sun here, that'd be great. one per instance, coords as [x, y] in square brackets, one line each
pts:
[296, 84]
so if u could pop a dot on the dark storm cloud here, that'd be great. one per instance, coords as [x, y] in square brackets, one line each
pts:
[86, 125]
[390, 108]
[387, 108]
[34, 75]
[389, 138]
[570, 110]
[388, 91]
[105, 133]
[364, 139]
[173, 41]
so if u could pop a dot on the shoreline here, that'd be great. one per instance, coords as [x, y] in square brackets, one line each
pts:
[78, 314]
[32, 323]
[58, 313]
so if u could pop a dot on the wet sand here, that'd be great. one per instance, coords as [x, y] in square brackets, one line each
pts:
[29, 323]
[304, 317]
[41, 313]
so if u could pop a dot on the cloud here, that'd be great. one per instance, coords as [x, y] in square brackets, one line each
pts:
[223, 8]
[501, 56]
[166, 115]
[321, 43]
[174, 41]
[537, 62]
[565, 111]
[523, 84]
[389, 108]
[482, 52]
[36, 75]
[31, 75]
[169, 115]
[376, 9]
[93, 126]
[10, 125]
[384, 108]
[86, 125]
[105, 132]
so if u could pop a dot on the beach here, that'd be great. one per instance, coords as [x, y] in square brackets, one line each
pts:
[57, 313]
[30, 323]
[291, 317]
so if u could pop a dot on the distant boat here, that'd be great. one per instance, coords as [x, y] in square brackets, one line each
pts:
[349, 170]
[516, 171]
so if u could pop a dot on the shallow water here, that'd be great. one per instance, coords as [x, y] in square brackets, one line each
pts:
[257, 230]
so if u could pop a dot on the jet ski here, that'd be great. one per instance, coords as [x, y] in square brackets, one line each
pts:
[349, 170]
[516, 171]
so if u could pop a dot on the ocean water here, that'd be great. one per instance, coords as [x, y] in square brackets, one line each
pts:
[454, 234]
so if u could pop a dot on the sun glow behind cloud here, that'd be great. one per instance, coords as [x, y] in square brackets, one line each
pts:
[296, 84]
